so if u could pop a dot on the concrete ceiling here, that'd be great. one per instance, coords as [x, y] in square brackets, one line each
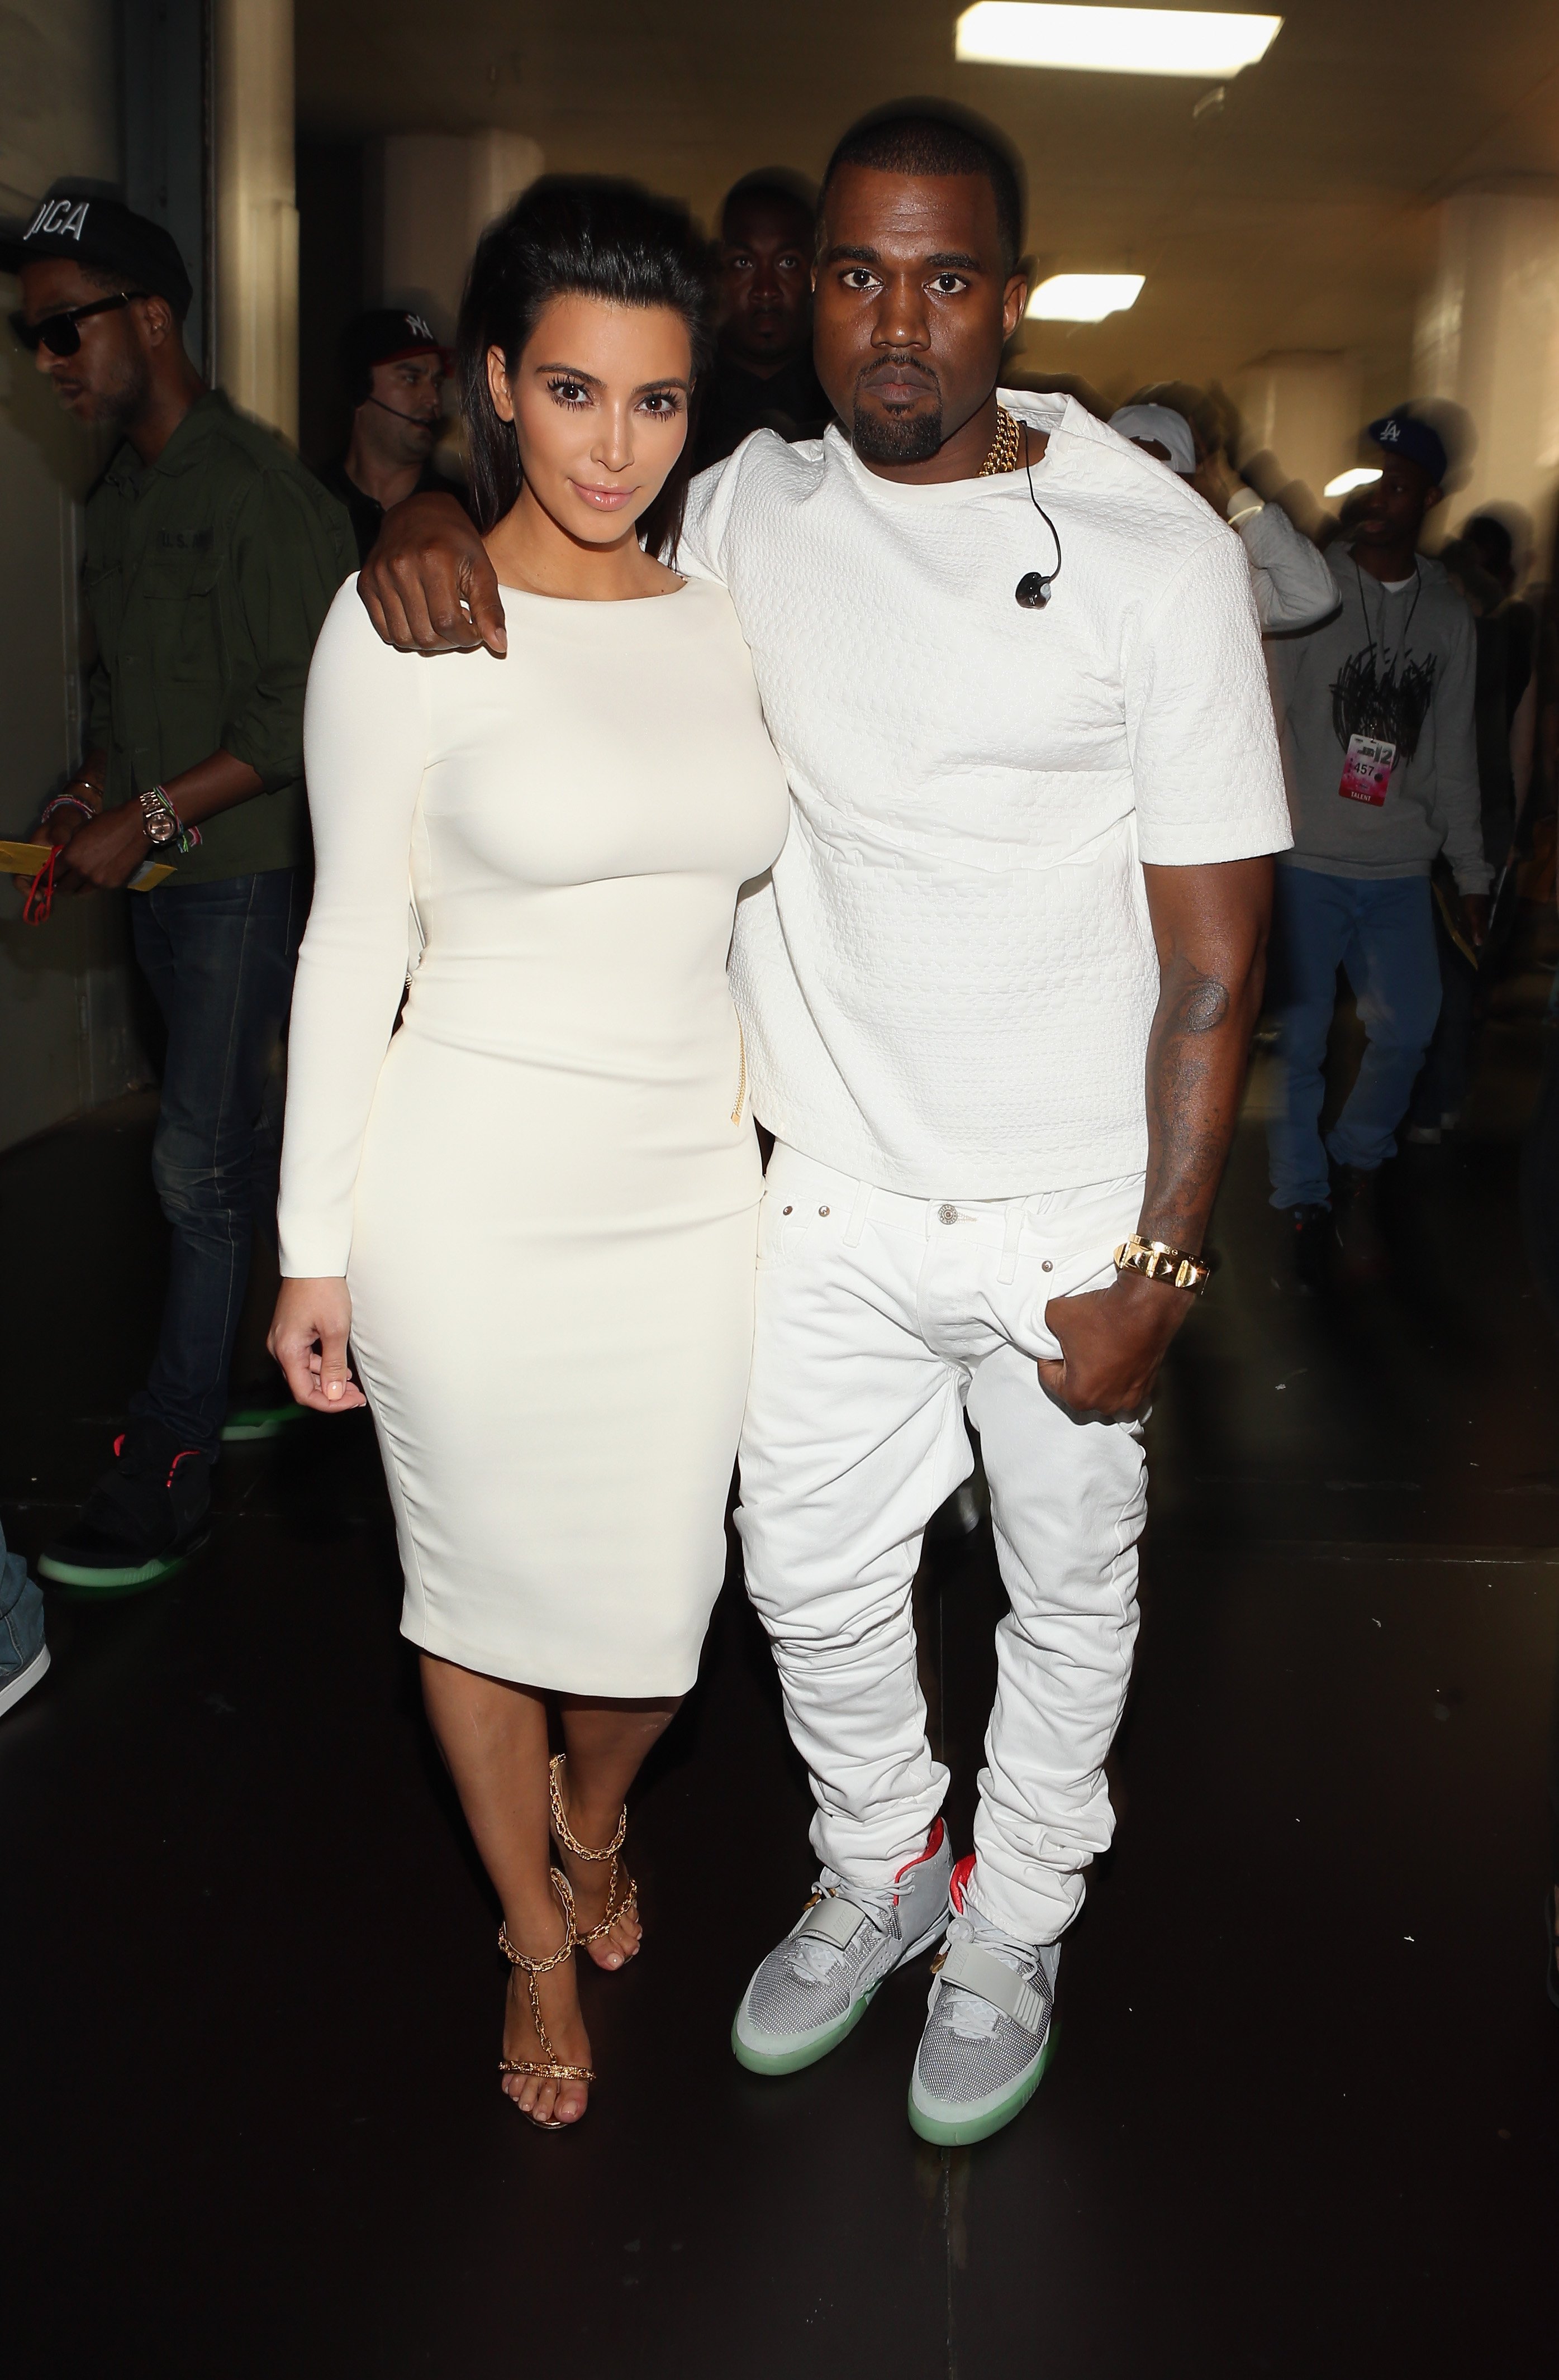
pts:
[1298, 216]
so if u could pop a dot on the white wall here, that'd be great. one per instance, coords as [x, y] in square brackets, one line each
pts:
[66, 1038]
[256, 351]
[437, 192]
[1488, 340]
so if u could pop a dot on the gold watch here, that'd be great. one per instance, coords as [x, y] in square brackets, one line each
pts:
[1156, 1260]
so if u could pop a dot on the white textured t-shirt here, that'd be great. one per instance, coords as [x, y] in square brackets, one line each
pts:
[948, 980]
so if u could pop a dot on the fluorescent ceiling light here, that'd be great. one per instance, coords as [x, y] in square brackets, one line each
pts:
[1084, 296]
[1345, 482]
[1114, 41]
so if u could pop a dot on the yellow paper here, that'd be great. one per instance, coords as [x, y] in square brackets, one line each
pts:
[27, 858]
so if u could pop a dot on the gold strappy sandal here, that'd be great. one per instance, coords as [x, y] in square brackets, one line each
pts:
[568, 1840]
[549, 2066]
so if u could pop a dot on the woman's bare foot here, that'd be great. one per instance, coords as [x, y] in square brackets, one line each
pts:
[592, 1880]
[544, 2099]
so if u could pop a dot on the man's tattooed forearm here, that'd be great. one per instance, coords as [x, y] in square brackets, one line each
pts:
[1193, 1091]
[1201, 1006]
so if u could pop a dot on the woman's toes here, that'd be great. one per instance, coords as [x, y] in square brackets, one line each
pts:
[546, 2099]
[570, 2104]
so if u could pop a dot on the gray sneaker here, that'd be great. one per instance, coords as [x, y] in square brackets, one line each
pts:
[988, 2035]
[815, 1987]
[24, 1657]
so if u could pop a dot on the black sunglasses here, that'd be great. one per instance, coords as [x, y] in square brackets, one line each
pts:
[58, 332]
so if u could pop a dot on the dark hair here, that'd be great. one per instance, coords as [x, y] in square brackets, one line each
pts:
[575, 237]
[1491, 538]
[926, 137]
[777, 187]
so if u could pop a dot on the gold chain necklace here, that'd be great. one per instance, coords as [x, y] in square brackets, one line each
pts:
[1003, 455]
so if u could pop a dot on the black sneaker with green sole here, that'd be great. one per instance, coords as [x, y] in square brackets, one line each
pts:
[258, 1414]
[142, 1521]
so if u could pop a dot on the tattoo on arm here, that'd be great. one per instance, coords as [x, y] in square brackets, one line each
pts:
[1195, 1071]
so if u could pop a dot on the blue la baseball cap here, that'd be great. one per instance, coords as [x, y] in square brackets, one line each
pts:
[1401, 433]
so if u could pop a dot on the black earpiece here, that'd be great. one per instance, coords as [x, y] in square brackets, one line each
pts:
[1033, 590]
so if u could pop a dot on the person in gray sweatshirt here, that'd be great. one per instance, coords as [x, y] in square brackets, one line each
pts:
[1376, 717]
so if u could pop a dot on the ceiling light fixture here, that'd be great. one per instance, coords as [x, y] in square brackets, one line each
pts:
[1345, 482]
[1084, 296]
[1113, 40]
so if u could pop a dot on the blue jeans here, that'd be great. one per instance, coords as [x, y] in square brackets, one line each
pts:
[1381, 931]
[220, 959]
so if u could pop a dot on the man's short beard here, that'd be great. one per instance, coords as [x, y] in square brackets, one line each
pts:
[122, 395]
[908, 438]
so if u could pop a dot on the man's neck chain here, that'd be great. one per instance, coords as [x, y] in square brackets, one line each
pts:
[1005, 447]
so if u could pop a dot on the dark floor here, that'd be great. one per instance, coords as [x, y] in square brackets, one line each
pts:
[1305, 2106]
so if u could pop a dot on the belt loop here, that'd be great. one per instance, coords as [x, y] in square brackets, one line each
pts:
[857, 1223]
[1016, 1211]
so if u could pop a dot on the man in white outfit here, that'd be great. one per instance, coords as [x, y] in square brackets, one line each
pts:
[1293, 586]
[1036, 789]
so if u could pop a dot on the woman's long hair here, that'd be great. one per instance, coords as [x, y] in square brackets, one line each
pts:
[575, 237]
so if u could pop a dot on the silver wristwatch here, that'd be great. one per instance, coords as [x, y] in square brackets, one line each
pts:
[157, 816]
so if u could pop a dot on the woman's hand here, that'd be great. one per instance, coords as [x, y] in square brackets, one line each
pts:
[308, 1335]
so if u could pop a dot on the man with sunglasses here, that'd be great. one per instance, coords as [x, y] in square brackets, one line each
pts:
[212, 556]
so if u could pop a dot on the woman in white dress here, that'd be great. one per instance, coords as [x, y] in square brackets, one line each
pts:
[534, 1208]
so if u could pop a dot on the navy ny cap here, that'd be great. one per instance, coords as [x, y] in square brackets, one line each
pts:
[383, 335]
[105, 236]
[1400, 433]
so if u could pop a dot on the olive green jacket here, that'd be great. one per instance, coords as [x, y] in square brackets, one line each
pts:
[208, 574]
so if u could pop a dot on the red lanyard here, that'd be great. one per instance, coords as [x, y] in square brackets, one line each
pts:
[40, 898]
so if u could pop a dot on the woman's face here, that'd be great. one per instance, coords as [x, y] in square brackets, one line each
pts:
[599, 401]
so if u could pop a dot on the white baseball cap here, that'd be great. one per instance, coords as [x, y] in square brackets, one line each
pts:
[1164, 428]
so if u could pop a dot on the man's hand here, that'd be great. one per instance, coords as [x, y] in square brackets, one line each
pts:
[1113, 1342]
[1214, 481]
[308, 1334]
[428, 585]
[1475, 910]
[99, 854]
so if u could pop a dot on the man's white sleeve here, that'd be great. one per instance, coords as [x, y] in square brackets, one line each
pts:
[1198, 715]
[1293, 587]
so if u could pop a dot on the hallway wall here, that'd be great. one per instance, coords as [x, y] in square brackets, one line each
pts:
[68, 1036]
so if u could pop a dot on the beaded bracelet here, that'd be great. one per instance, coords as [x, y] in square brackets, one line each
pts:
[66, 802]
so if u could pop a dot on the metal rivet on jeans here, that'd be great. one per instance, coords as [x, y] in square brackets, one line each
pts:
[822, 1210]
[947, 1214]
[786, 1210]
[1046, 1267]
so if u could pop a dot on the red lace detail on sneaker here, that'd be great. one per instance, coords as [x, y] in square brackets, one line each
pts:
[118, 1446]
[959, 1880]
[933, 1844]
[184, 1455]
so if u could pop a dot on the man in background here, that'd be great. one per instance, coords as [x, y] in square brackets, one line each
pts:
[763, 377]
[1380, 758]
[1292, 584]
[213, 555]
[394, 369]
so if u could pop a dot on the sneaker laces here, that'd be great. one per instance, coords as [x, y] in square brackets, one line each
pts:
[812, 1961]
[962, 2011]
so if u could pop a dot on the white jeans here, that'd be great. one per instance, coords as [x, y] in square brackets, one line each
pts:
[879, 1318]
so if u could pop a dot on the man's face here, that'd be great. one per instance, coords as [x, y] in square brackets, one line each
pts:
[766, 280]
[404, 406]
[911, 307]
[1391, 510]
[108, 378]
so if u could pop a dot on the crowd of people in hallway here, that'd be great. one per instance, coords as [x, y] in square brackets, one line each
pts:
[990, 740]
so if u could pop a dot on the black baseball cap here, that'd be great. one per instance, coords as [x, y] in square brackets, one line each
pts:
[1400, 432]
[385, 335]
[107, 237]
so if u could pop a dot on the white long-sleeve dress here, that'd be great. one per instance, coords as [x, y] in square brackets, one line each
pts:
[543, 1190]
